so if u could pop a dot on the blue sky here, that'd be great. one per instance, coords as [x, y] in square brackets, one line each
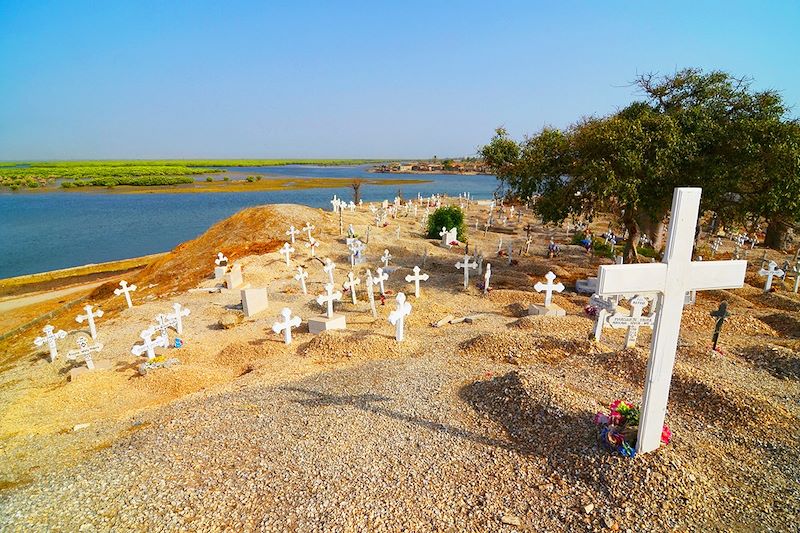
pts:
[163, 79]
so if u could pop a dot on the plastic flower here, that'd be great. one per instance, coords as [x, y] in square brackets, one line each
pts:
[601, 418]
[666, 434]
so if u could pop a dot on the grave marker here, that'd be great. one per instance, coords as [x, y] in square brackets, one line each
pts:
[254, 301]
[351, 283]
[301, 277]
[466, 264]
[308, 228]
[89, 317]
[286, 326]
[286, 252]
[720, 315]
[415, 278]
[549, 308]
[385, 258]
[50, 339]
[149, 344]
[126, 290]
[329, 321]
[312, 246]
[85, 351]
[486, 277]
[632, 321]
[328, 269]
[397, 317]
[370, 281]
[292, 232]
[380, 278]
[769, 273]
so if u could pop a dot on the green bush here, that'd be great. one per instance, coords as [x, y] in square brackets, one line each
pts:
[251, 179]
[226, 178]
[447, 217]
[67, 185]
[209, 179]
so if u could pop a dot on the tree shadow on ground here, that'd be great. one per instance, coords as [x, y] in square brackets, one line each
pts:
[782, 363]
[784, 324]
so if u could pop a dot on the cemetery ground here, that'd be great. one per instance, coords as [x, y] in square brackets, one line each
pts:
[481, 426]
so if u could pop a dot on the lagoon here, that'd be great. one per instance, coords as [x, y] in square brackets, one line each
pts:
[45, 231]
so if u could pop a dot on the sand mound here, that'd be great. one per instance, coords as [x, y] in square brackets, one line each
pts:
[337, 345]
[517, 348]
[563, 327]
[737, 324]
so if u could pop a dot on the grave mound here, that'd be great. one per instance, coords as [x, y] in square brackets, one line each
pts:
[565, 326]
[335, 345]
[698, 319]
[780, 361]
[521, 348]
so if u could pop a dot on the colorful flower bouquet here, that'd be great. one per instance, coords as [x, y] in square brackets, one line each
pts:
[619, 428]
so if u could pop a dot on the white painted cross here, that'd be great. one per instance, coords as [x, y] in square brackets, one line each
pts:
[176, 318]
[286, 326]
[486, 277]
[292, 232]
[772, 271]
[148, 343]
[308, 228]
[672, 278]
[370, 282]
[380, 278]
[604, 306]
[162, 326]
[632, 321]
[301, 277]
[50, 338]
[312, 245]
[548, 288]
[85, 351]
[397, 317]
[351, 283]
[416, 278]
[286, 252]
[221, 260]
[356, 248]
[385, 258]
[89, 316]
[328, 298]
[329, 267]
[466, 264]
[126, 289]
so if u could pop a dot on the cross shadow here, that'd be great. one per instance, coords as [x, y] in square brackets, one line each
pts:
[366, 402]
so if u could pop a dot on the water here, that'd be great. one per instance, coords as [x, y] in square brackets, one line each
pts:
[48, 231]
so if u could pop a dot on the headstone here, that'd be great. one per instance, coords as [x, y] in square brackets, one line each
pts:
[233, 279]
[549, 308]
[50, 337]
[448, 237]
[287, 252]
[587, 286]
[720, 315]
[415, 278]
[126, 290]
[633, 320]
[397, 317]
[89, 317]
[301, 277]
[292, 232]
[254, 301]
[329, 321]
[149, 344]
[510, 254]
[286, 326]
[672, 278]
[351, 284]
[466, 264]
[769, 273]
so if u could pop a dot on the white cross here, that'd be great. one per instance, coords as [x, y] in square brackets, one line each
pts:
[328, 298]
[286, 326]
[385, 258]
[632, 321]
[380, 278]
[301, 277]
[126, 289]
[50, 338]
[85, 351]
[176, 318]
[89, 316]
[486, 277]
[335, 203]
[149, 344]
[548, 288]
[355, 251]
[397, 317]
[416, 278]
[329, 268]
[370, 281]
[286, 252]
[352, 206]
[500, 245]
[312, 244]
[770, 272]
[308, 227]
[351, 285]
[605, 306]
[466, 265]
[162, 326]
[672, 278]
[221, 260]
[292, 232]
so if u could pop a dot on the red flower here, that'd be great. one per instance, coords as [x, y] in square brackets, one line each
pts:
[666, 434]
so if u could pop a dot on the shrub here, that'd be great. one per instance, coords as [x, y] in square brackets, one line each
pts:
[447, 217]
[226, 178]
[251, 179]
[209, 179]
[67, 185]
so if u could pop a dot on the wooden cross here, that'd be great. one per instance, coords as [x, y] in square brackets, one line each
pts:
[301, 277]
[176, 318]
[672, 278]
[50, 339]
[328, 269]
[286, 326]
[416, 278]
[125, 289]
[632, 321]
[466, 264]
[292, 232]
[85, 351]
[770, 272]
[328, 298]
[720, 315]
[351, 283]
[286, 252]
[89, 316]
[397, 317]
[548, 288]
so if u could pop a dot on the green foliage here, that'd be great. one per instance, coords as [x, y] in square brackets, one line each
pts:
[251, 179]
[226, 178]
[447, 217]
[209, 179]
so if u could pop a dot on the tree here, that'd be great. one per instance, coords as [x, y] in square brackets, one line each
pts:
[356, 185]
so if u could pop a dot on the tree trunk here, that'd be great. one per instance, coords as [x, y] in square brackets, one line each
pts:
[356, 191]
[776, 233]
[629, 252]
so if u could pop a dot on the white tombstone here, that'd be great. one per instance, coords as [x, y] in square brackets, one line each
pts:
[397, 317]
[486, 277]
[50, 337]
[89, 317]
[351, 284]
[329, 321]
[301, 277]
[448, 237]
[286, 252]
[633, 320]
[672, 278]
[149, 344]
[233, 279]
[292, 232]
[385, 258]
[380, 278]
[308, 228]
[312, 245]
[769, 273]
[84, 351]
[466, 264]
[329, 267]
[286, 326]
[254, 301]
[549, 308]
[415, 278]
[126, 290]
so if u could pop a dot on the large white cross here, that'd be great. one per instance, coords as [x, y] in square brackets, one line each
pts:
[126, 289]
[149, 344]
[176, 318]
[416, 278]
[772, 271]
[385, 258]
[328, 298]
[548, 288]
[50, 338]
[85, 351]
[351, 283]
[221, 260]
[301, 277]
[632, 321]
[466, 264]
[380, 278]
[286, 326]
[286, 252]
[291, 232]
[672, 278]
[486, 277]
[397, 317]
[89, 316]
[308, 228]
[329, 268]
